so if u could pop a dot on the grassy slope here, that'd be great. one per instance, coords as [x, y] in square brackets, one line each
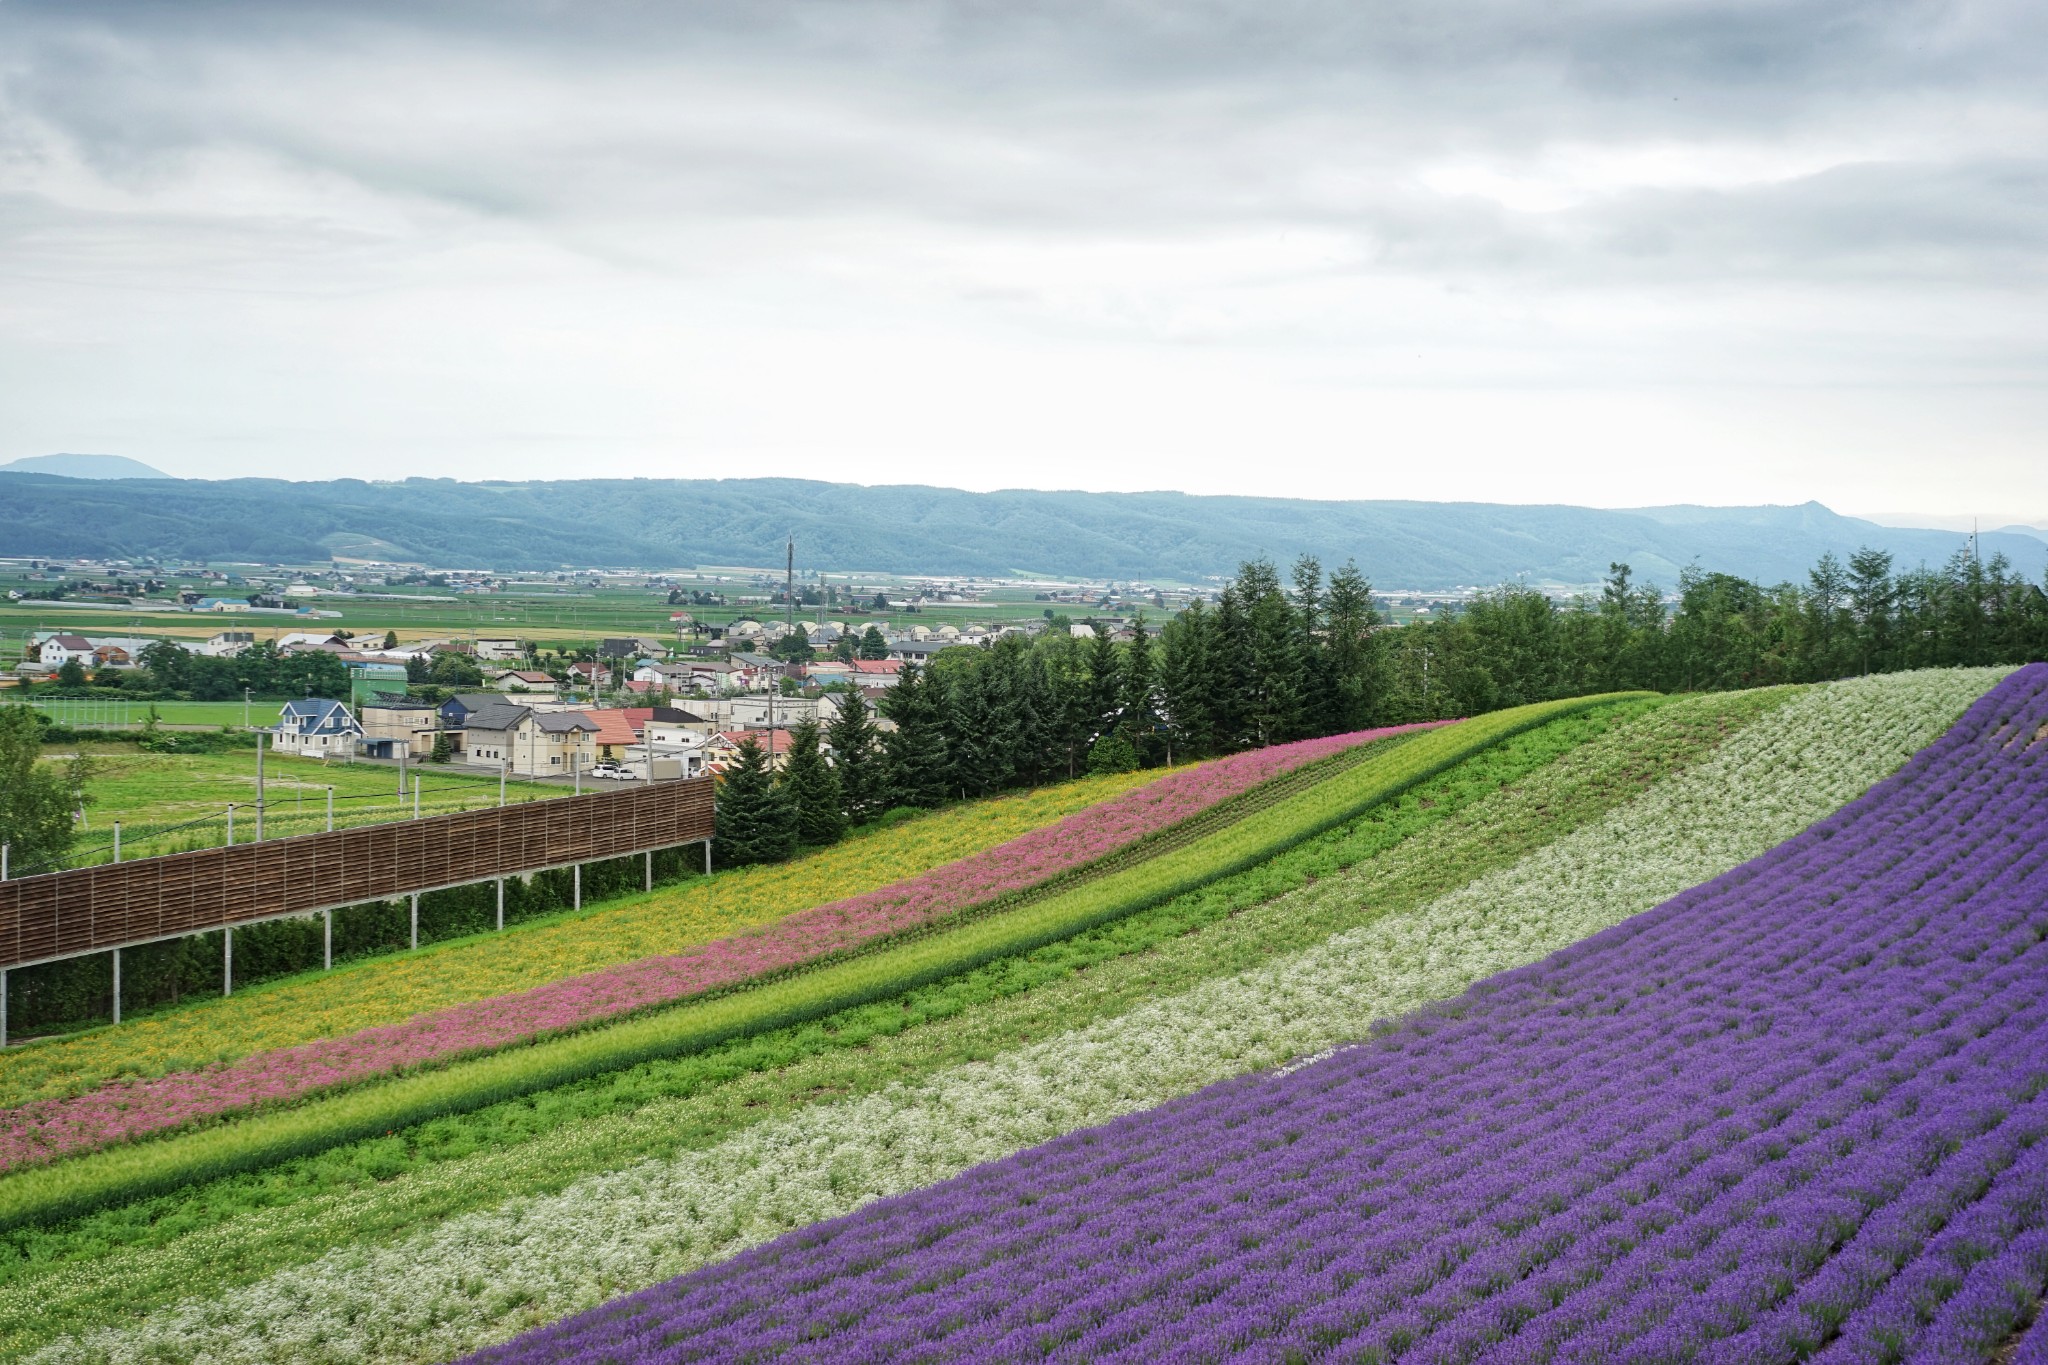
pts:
[149, 793]
[385, 990]
[118, 1175]
[1434, 838]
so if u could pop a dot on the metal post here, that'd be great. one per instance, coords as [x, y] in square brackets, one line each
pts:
[117, 841]
[231, 824]
[259, 786]
[707, 857]
[327, 941]
[650, 869]
[415, 798]
[503, 768]
[330, 810]
[117, 985]
[3, 1007]
[227, 961]
[5, 849]
[415, 919]
[576, 767]
[501, 904]
[401, 774]
[576, 877]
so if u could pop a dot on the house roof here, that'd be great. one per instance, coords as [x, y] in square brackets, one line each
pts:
[476, 701]
[771, 741]
[613, 727]
[527, 675]
[889, 666]
[69, 641]
[499, 715]
[565, 722]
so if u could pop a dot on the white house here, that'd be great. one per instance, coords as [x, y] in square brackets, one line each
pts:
[317, 727]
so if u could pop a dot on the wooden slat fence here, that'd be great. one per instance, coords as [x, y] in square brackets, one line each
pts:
[91, 909]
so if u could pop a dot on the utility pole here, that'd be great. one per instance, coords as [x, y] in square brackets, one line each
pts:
[259, 786]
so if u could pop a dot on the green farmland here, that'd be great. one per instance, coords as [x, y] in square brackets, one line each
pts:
[167, 803]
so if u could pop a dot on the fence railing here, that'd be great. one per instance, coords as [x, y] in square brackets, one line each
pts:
[92, 909]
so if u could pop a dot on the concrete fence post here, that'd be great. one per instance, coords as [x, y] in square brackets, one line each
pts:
[227, 961]
[117, 985]
[415, 919]
[327, 941]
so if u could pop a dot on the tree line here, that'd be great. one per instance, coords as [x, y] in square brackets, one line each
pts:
[1274, 660]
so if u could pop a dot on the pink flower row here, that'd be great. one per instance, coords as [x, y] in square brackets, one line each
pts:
[127, 1109]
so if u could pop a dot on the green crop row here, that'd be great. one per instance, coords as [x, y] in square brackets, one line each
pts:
[111, 1177]
[1483, 813]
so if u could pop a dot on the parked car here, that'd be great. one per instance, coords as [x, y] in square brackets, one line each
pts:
[610, 769]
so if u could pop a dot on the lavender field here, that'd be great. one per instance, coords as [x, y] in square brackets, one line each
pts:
[1794, 1112]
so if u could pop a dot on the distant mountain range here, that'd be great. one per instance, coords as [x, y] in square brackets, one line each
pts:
[668, 523]
[83, 467]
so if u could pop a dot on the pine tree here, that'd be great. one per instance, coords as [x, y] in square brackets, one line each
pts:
[1138, 692]
[1353, 671]
[916, 749]
[1103, 703]
[857, 760]
[872, 645]
[753, 818]
[843, 649]
[812, 788]
[1230, 655]
[1187, 683]
[981, 722]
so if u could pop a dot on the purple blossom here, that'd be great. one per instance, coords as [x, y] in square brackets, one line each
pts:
[1799, 1110]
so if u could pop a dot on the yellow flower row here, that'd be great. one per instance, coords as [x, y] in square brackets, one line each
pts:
[387, 990]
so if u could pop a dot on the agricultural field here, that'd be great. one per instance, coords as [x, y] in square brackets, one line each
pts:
[1619, 1028]
[167, 803]
[564, 617]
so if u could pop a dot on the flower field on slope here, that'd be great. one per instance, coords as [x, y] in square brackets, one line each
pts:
[469, 1278]
[1800, 1109]
[97, 1179]
[122, 1110]
[386, 990]
[228, 1232]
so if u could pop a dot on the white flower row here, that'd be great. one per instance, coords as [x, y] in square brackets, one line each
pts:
[482, 1276]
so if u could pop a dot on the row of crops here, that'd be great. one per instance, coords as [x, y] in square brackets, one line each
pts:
[1798, 1110]
[815, 1084]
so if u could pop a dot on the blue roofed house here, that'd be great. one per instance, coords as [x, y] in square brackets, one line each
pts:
[316, 727]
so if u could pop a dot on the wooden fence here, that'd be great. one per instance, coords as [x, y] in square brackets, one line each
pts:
[92, 909]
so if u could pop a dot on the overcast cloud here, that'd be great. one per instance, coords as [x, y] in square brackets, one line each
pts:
[1605, 253]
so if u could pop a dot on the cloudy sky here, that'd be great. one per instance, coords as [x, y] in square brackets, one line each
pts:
[1613, 252]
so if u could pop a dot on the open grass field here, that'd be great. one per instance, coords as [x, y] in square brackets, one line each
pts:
[170, 802]
[134, 713]
[919, 1134]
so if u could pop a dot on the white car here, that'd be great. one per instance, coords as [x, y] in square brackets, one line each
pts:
[611, 770]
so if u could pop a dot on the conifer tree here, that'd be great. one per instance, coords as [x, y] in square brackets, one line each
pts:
[1187, 682]
[1139, 696]
[981, 730]
[754, 820]
[917, 764]
[857, 760]
[1354, 671]
[812, 788]
[872, 645]
[1103, 702]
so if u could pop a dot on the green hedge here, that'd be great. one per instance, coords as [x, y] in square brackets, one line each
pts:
[46, 1194]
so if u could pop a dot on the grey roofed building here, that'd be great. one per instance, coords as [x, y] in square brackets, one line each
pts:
[499, 715]
[565, 722]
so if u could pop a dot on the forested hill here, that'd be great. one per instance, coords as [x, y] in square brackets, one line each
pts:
[674, 522]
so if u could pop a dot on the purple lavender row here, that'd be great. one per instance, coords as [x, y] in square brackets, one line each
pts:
[1801, 1108]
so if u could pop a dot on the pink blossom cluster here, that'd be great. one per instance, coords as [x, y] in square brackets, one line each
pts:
[127, 1109]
